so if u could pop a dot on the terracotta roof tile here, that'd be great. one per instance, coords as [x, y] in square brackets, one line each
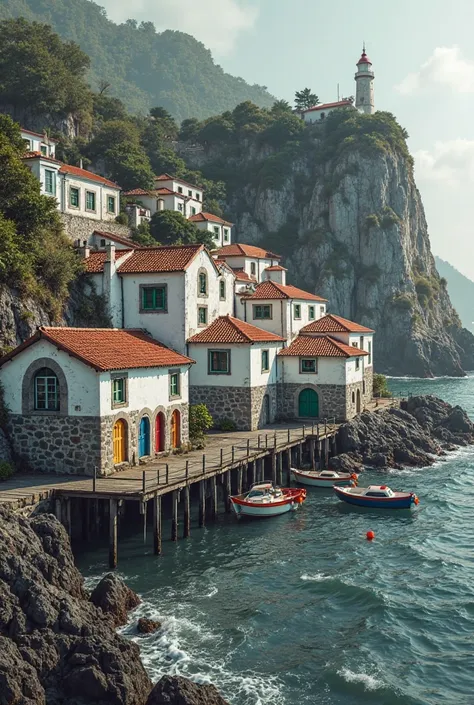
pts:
[275, 268]
[335, 324]
[227, 329]
[326, 106]
[208, 217]
[242, 276]
[38, 155]
[89, 175]
[116, 238]
[107, 348]
[95, 262]
[160, 259]
[43, 136]
[322, 346]
[168, 177]
[273, 290]
[240, 250]
[138, 192]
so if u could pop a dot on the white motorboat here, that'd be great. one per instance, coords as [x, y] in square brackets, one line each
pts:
[265, 500]
[324, 478]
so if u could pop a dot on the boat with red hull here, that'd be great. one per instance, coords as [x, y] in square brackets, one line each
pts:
[376, 497]
[265, 500]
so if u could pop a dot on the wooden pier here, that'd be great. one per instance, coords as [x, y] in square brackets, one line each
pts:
[230, 463]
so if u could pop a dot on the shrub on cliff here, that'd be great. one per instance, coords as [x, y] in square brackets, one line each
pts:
[380, 386]
[6, 470]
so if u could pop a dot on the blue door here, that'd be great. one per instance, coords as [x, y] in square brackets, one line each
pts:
[144, 437]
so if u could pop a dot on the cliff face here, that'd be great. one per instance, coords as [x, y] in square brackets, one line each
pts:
[351, 226]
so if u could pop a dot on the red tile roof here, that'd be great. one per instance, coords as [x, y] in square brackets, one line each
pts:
[38, 134]
[322, 346]
[240, 250]
[116, 238]
[203, 217]
[168, 192]
[275, 268]
[95, 262]
[273, 290]
[326, 106]
[89, 175]
[175, 258]
[168, 177]
[335, 324]
[242, 276]
[107, 348]
[38, 155]
[138, 192]
[227, 329]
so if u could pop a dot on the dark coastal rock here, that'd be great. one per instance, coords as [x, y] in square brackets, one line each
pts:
[412, 435]
[147, 626]
[56, 646]
[175, 690]
[114, 598]
[345, 463]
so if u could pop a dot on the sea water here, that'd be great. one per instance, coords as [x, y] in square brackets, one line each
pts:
[302, 609]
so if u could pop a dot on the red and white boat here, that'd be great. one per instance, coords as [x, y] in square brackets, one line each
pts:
[324, 478]
[264, 500]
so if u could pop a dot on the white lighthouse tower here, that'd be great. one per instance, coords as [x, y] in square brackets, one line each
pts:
[364, 77]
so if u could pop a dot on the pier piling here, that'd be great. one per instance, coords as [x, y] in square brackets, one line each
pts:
[187, 513]
[174, 515]
[113, 534]
[202, 503]
[157, 524]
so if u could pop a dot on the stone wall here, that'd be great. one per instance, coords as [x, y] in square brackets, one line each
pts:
[369, 384]
[332, 400]
[233, 403]
[80, 228]
[62, 444]
[351, 399]
[258, 407]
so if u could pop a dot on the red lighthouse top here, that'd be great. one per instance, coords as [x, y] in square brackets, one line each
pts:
[364, 59]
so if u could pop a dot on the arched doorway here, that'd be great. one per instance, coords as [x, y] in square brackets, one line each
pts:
[266, 410]
[144, 437]
[358, 401]
[120, 441]
[160, 432]
[308, 404]
[175, 429]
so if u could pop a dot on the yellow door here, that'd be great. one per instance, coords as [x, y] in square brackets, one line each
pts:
[119, 441]
[175, 429]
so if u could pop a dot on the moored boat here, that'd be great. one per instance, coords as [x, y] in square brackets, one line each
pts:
[323, 478]
[265, 500]
[376, 497]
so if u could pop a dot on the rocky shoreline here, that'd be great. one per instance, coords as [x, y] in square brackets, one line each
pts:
[417, 434]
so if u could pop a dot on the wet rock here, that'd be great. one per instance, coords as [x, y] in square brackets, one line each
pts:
[175, 690]
[114, 598]
[345, 463]
[147, 626]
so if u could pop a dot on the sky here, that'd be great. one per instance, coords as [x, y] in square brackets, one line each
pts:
[423, 57]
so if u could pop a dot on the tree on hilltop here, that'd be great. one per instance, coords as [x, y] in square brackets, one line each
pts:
[172, 228]
[281, 107]
[305, 99]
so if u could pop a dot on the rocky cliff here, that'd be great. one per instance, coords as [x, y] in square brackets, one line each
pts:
[341, 205]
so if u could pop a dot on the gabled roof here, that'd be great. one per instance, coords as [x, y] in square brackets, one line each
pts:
[208, 217]
[175, 258]
[106, 348]
[275, 268]
[39, 155]
[116, 238]
[227, 329]
[322, 346]
[273, 290]
[89, 175]
[94, 264]
[139, 192]
[168, 177]
[242, 276]
[38, 134]
[240, 250]
[326, 106]
[335, 324]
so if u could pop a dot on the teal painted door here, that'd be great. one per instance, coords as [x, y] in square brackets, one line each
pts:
[308, 404]
[144, 437]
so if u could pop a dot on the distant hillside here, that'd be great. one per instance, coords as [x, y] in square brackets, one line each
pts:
[461, 292]
[145, 69]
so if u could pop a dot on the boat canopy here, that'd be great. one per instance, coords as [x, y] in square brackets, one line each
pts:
[378, 491]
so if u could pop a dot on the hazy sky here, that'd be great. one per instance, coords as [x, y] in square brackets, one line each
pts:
[423, 57]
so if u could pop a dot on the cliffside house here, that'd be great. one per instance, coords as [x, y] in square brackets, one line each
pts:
[235, 373]
[220, 229]
[169, 194]
[320, 112]
[248, 260]
[94, 397]
[41, 143]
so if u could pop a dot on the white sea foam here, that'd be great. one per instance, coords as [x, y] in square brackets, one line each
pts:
[369, 682]
[213, 590]
[316, 578]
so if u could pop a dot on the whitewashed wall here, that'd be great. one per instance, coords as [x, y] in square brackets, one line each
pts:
[101, 197]
[331, 370]
[147, 388]
[259, 378]
[227, 306]
[215, 307]
[239, 366]
[353, 375]
[245, 263]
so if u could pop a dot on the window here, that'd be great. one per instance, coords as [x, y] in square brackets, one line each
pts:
[190, 194]
[46, 390]
[44, 150]
[369, 359]
[202, 315]
[102, 242]
[216, 230]
[321, 311]
[355, 345]
[118, 390]
[308, 366]
[198, 197]
[27, 144]
[180, 207]
[361, 342]
[297, 310]
[110, 204]
[226, 235]
[253, 269]
[90, 201]
[353, 398]
[265, 361]
[219, 362]
[193, 211]
[203, 283]
[74, 196]
[175, 384]
[222, 290]
[311, 313]
[180, 189]
[262, 311]
[50, 182]
[323, 115]
[153, 298]
[357, 363]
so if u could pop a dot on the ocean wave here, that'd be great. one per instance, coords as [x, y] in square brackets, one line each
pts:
[317, 577]
[368, 681]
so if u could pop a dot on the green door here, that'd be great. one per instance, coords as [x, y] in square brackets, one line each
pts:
[308, 405]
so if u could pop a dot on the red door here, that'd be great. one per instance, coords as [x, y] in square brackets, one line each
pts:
[160, 433]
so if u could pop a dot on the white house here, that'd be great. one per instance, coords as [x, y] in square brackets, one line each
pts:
[94, 397]
[282, 309]
[41, 143]
[46, 169]
[192, 194]
[321, 112]
[321, 378]
[236, 372]
[100, 239]
[221, 229]
[172, 292]
[250, 259]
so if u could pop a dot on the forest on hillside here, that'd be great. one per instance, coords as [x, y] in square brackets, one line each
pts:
[142, 67]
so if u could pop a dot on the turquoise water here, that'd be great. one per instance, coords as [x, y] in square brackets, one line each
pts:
[302, 609]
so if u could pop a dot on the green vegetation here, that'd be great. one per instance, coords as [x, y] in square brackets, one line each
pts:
[372, 221]
[200, 421]
[227, 425]
[35, 255]
[142, 67]
[305, 99]
[172, 228]
[403, 302]
[380, 387]
[6, 470]
[388, 217]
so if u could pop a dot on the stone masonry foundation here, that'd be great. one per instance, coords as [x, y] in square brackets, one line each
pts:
[244, 406]
[332, 401]
[79, 228]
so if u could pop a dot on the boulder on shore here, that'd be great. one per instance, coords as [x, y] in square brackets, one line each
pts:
[175, 690]
[114, 598]
[147, 626]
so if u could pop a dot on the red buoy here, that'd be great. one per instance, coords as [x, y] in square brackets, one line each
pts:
[370, 535]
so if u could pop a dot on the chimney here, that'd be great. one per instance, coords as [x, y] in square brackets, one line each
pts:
[110, 253]
[276, 274]
[81, 164]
